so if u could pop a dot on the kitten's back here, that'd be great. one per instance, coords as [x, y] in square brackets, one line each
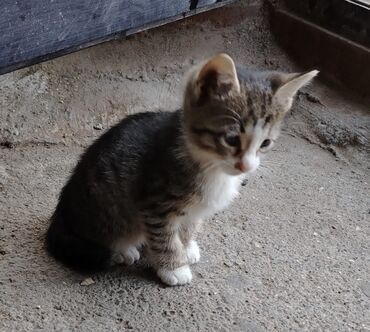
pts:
[85, 220]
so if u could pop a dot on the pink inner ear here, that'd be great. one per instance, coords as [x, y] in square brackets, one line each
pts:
[288, 89]
[219, 71]
[207, 75]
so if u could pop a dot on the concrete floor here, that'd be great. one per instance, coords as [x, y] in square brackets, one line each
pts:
[292, 253]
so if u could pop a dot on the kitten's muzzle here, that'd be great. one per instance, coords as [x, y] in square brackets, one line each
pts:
[247, 164]
[240, 166]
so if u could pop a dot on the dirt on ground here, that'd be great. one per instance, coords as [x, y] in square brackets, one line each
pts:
[291, 253]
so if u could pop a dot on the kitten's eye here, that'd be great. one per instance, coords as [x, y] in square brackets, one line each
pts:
[265, 143]
[232, 140]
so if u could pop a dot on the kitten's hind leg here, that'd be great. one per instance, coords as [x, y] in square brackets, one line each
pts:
[127, 256]
[126, 252]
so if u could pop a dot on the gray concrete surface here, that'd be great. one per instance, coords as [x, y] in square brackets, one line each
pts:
[291, 254]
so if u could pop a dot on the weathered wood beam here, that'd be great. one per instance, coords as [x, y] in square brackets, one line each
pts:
[32, 31]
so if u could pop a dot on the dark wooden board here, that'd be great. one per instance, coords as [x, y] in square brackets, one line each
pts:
[32, 31]
[350, 19]
[339, 59]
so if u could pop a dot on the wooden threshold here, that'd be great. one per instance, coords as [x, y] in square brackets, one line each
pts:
[312, 46]
[33, 31]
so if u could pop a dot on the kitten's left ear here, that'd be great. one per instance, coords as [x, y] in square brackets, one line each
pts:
[286, 86]
[217, 77]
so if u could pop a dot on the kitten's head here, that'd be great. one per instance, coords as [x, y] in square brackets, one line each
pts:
[232, 115]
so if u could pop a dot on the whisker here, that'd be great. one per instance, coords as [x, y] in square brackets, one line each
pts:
[228, 117]
[238, 116]
[265, 170]
[209, 166]
[271, 162]
[269, 169]
[264, 166]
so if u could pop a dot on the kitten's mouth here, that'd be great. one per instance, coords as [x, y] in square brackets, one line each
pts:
[244, 168]
[237, 168]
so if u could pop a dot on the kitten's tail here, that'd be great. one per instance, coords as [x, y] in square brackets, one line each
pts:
[80, 254]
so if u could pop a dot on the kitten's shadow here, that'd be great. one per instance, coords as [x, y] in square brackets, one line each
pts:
[52, 269]
[139, 272]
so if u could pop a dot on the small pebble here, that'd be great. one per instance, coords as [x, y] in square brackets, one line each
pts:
[87, 282]
[15, 131]
[99, 126]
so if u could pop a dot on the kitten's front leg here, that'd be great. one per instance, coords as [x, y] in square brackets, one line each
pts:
[193, 252]
[187, 235]
[167, 253]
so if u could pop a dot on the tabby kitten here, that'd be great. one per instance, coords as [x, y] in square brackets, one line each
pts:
[151, 179]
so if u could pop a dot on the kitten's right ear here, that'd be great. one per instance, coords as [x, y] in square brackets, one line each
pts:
[285, 86]
[217, 78]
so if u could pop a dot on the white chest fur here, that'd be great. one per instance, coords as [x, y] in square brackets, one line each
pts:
[218, 191]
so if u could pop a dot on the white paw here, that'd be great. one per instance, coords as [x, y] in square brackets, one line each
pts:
[180, 276]
[192, 252]
[128, 256]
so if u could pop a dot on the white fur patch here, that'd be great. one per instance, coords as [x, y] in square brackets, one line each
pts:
[251, 159]
[180, 276]
[218, 191]
[192, 252]
[128, 256]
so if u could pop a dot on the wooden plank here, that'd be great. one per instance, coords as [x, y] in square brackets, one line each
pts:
[32, 31]
[339, 59]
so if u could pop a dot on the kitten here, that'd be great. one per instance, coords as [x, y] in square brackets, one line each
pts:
[152, 178]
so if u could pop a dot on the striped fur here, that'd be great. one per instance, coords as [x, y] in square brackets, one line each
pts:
[147, 183]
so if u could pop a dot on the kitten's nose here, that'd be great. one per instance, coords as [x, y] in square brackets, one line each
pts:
[248, 163]
[241, 166]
